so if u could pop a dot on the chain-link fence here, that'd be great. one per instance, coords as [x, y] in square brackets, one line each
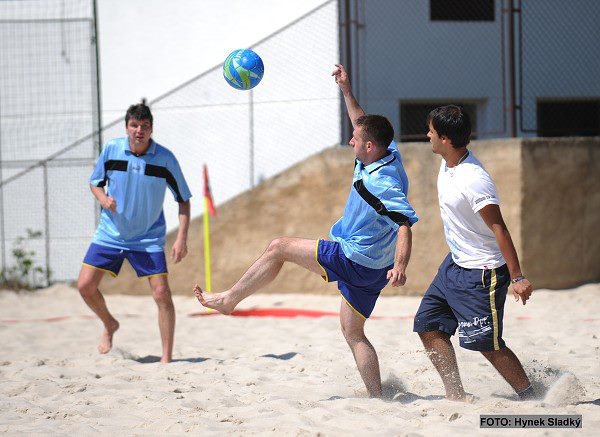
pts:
[558, 62]
[48, 100]
[519, 67]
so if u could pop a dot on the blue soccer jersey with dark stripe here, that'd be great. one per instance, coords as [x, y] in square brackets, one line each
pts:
[138, 185]
[377, 206]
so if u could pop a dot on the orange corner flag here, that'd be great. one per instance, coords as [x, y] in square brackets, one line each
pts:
[208, 195]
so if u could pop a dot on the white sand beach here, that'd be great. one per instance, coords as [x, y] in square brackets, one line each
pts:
[279, 376]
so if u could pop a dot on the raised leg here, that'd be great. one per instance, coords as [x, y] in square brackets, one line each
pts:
[263, 271]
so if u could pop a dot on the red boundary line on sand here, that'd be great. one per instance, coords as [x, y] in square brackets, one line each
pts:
[286, 313]
[253, 312]
[58, 318]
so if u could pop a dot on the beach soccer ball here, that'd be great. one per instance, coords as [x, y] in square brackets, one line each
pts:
[243, 69]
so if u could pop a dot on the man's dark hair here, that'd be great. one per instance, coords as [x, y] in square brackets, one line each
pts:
[453, 122]
[139, 112]
[377, 129]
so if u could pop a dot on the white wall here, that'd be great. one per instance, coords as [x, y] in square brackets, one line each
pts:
[148, 47]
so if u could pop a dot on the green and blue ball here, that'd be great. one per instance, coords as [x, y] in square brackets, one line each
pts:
[243, 69]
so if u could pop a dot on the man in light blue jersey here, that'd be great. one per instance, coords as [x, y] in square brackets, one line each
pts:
[370, 245]
[129, 181]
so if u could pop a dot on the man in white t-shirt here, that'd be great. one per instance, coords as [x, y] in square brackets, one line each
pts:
[469, 290]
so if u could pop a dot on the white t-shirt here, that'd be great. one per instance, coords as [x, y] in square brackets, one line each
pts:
[462, 191]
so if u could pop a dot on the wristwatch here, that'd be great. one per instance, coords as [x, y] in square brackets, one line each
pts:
[517, 279]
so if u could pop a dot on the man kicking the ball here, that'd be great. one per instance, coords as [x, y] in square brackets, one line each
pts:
[370, 244]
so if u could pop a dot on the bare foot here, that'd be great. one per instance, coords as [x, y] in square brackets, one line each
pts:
[106, 338]
[216, 301]
[165, 360]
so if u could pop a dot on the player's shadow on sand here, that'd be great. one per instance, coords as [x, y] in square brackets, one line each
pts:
[148, 359]
[287, 356]
[595, 402]
[408, 398]
[155, 359]
[394, 390]
[403, 398]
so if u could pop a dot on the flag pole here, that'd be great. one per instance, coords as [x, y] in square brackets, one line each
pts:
[209, 209]
[208, 285]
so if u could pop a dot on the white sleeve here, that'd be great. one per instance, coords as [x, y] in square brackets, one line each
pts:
[480, 191]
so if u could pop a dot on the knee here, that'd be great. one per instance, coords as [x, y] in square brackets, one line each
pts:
[432, 339]
[433, 335]
[86, 287]
[493, 355]
[353, 336]
[277, 247]
[424, 336]
[487, 354]
[162, 295]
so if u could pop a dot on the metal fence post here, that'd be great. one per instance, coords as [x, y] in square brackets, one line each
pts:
[512, 105]
[46, 223]
[2, 233]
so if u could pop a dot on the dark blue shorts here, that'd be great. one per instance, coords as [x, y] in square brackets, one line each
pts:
[111, 260]
[471, 300]
[360, 286]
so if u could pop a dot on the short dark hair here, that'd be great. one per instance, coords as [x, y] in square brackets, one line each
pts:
[377, 129]
[453, 122]
[139, 112]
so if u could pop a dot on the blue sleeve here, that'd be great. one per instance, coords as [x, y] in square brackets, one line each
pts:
[399, 210]
[178, 186]
[98, 177]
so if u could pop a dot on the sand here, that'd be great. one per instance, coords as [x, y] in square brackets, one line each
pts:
[278, 376]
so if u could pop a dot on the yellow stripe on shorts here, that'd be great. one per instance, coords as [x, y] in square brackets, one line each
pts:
[352, 307]
[111, 273]
[493, 307]
[324, 275]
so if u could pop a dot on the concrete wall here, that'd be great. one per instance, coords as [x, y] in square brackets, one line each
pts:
[560, 212]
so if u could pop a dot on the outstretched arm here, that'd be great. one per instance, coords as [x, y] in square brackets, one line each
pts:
[492, 217]
[403, 248]
[179, 250]
[352, 106]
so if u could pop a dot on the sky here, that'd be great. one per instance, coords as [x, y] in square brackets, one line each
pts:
[148, 47]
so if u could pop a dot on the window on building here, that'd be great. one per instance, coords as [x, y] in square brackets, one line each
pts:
[568, 119]
[413, 117]
[462, 10]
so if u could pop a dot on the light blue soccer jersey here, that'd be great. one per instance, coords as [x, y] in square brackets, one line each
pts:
[377, 206]
[138, 185]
